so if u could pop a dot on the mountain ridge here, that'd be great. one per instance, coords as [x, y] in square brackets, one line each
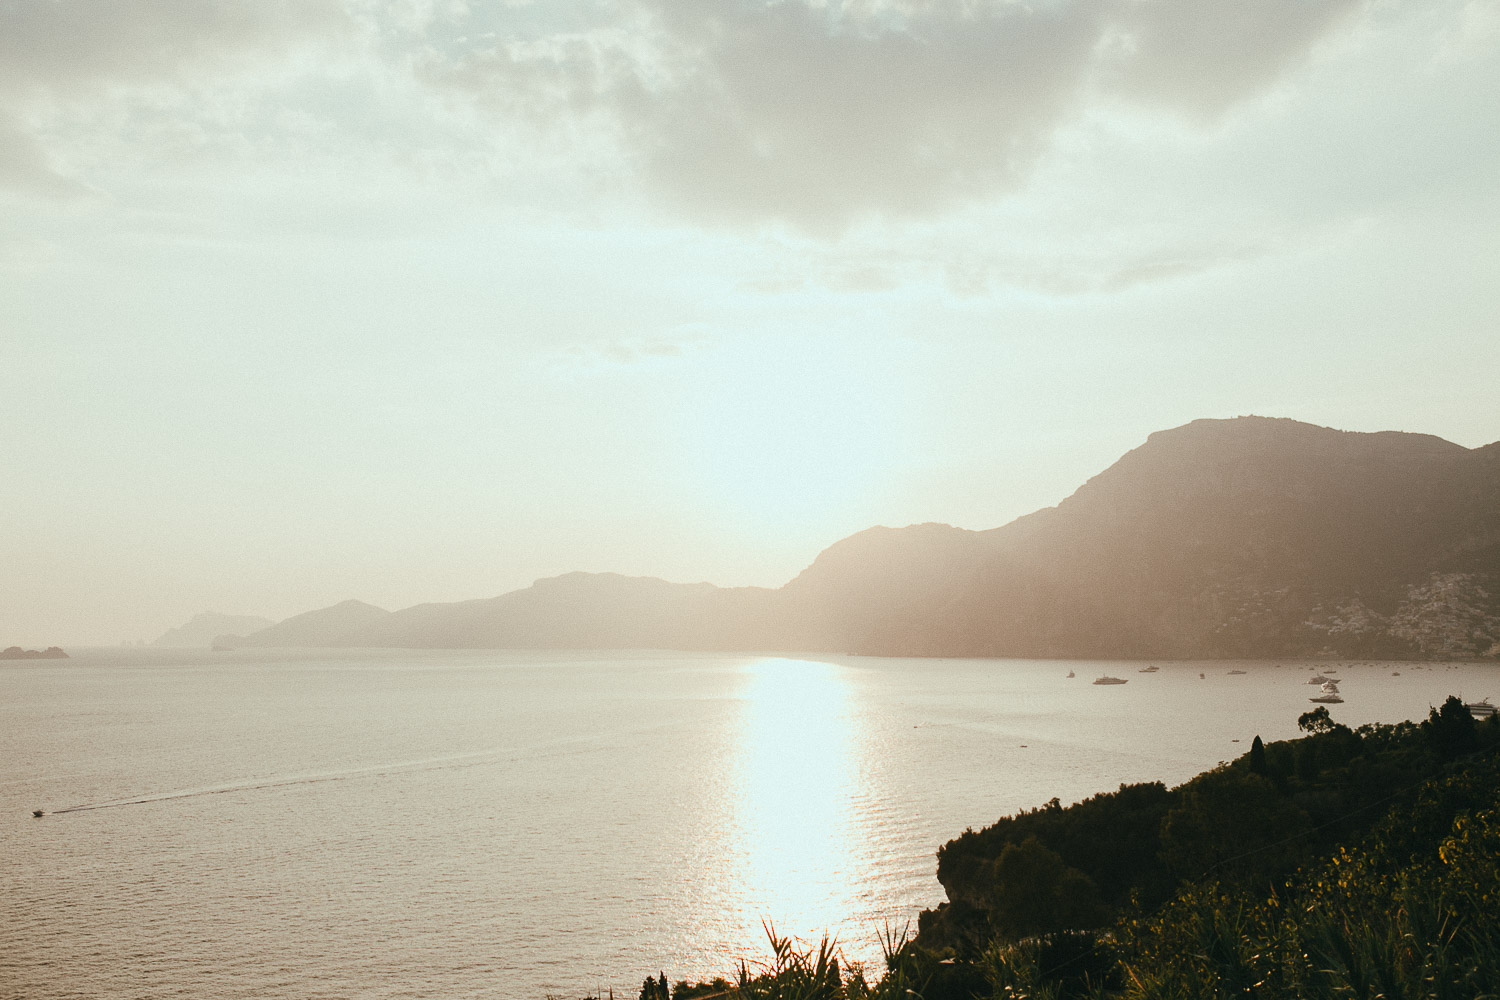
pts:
[1247, 536]
[203, 628]
[337, 625]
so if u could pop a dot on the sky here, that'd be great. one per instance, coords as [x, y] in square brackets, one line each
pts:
[422, 300]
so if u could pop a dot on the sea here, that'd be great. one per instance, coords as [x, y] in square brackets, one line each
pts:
[380, 823]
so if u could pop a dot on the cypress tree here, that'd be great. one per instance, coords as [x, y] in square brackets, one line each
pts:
[1258, 756]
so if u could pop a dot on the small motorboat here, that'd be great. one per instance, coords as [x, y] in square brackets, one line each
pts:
[38, 813]
[1233, 672]
[1149, 670]
[1071, 674]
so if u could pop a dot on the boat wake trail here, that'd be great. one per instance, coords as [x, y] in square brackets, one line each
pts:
[476, 758]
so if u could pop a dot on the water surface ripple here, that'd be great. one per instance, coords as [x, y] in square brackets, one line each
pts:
[499, 824]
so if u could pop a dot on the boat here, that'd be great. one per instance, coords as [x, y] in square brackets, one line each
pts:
[1481, 709]
[1106, 679]
[1233, 672]
[1071, 674]
[1149, 670]
[1317, 679]
[1329, 695]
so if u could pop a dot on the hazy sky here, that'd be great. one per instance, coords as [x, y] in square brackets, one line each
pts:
[303, 300]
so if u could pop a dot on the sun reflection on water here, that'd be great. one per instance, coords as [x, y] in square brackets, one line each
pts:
[794, 797]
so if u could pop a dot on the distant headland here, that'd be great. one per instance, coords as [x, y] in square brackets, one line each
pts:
[1251, 537]
[17, 653]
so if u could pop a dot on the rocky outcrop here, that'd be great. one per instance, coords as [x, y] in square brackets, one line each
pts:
[17, 653]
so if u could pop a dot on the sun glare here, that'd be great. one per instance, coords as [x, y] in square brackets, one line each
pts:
[794, 813]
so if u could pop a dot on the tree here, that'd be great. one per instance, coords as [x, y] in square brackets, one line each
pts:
[1316, 721]
[1035, 892]
[1258, 757]
[1231, 823]
[1450, 729]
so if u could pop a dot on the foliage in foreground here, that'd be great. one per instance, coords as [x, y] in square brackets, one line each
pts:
[1377, 920]
[796, 971]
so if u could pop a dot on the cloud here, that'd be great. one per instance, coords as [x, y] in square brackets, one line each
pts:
[62, 45]
[1202, 58]
[819, 113]
[24, 165]
[63, 52]
[960, 265]
[787, 112]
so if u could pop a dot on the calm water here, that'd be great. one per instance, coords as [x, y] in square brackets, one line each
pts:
[516, 824]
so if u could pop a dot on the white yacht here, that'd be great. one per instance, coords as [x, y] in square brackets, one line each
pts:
[1329, 695]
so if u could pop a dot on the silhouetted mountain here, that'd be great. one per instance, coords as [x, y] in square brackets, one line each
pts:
[1244, 537]
[592, 611]
[203, 629]
[336, 626]
[881, 581]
